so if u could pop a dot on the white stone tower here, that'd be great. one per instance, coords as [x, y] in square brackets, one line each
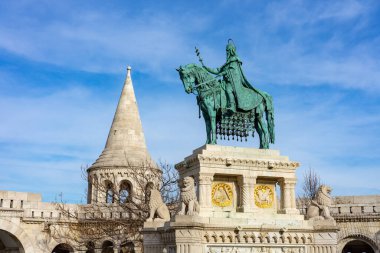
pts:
[125, 152]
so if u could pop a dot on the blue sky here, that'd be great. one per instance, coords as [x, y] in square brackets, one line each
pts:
[63, 63]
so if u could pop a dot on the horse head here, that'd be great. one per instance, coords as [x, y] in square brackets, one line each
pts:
[187, 77]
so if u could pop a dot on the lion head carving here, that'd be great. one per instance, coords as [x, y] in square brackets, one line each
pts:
[323, 196]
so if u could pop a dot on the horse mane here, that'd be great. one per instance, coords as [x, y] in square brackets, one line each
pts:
[200, 73]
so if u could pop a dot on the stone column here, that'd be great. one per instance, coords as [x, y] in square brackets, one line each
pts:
[204, 190]
[285, 195]
[288, 198]
[252, 184]
[247, 193]
[93, 195]
[293, 194]
[101, 191]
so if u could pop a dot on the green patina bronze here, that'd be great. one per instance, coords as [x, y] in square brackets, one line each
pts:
[231, 106]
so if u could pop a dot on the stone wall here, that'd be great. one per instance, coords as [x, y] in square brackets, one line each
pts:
[358, 218]
[25, 221]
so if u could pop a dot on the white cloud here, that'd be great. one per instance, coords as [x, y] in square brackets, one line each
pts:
[316, 129]
[343, 10]
[285, 41]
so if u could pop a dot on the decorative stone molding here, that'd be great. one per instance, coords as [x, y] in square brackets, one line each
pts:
[247, 162]
[258, 237]
[189, 162]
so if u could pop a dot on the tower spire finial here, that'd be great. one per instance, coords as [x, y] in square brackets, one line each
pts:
[129, 71]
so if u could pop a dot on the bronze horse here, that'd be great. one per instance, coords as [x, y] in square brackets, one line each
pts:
[212, 101]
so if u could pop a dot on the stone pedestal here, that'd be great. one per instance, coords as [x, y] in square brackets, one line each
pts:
[251, 176]
[247, 204]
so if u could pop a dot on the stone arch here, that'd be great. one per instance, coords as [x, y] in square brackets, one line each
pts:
[357, 237]
[107, 246]
[9, 242]
[17, 232]
[63, 248]
[90, 247]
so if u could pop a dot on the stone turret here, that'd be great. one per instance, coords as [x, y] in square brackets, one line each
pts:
[125, 150]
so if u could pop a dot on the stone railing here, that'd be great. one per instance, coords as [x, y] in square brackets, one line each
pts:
[355, 209]
[347, 211]
[16, 207]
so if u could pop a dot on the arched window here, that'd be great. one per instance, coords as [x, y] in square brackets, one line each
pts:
[63, 248]
[127, 247]
[90, 247]
[357, 246]
[107, 247]
[125, 191]
[109, 192]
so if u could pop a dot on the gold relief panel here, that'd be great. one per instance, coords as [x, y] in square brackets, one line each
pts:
[222, 194]
[264, 196]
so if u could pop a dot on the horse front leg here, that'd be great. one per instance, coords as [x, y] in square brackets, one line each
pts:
[208, 127]
[210, 120]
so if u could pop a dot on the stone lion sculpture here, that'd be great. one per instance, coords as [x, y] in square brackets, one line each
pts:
[189, 202]
[157, 208]
[319, 207]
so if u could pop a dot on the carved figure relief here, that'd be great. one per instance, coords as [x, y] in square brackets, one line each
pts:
[189, 202]
[319, 207]
[264, 196]
[158, 209]
[222, 194]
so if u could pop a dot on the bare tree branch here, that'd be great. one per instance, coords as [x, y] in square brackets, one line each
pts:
[122, 218]
[311, 183]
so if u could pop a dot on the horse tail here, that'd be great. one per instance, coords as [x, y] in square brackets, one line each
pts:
[269, 115]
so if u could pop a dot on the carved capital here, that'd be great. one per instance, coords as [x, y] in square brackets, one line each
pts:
[205, 179]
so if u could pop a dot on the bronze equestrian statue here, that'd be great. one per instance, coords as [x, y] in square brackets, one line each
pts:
[230, 105]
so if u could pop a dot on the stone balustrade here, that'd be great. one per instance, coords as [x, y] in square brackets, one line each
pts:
[353, 206]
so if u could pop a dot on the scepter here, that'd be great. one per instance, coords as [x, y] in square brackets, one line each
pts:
[199, 55]
[201, 60]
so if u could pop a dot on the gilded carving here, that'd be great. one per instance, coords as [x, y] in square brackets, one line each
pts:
[264, 196]
[222, 194]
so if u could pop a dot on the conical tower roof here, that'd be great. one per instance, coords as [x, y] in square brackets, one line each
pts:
[126, 141]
